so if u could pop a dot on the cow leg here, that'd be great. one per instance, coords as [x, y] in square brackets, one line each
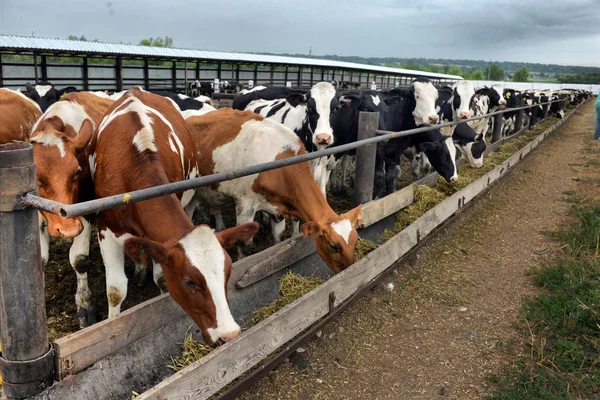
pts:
[140, 273]
[334, 181]
[245, 211]
[295, 227]
[343, 190]
[114, 265]
[391, 171]
[277, 228]
[379, 182]
[159, 278]
[219, 224]
[78, 255]
[44, 239]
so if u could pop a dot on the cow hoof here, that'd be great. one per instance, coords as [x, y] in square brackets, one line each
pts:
[86, 316]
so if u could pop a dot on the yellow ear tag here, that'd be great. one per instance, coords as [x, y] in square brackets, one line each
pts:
[507, 95]
[126, 198]
[63, 95]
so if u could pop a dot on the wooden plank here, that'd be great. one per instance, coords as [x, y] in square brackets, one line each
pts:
[288, 252]
[209, 374]
[377, 210]
[81, 349]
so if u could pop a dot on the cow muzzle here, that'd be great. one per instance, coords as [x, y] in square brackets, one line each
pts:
[433, 119]
[324, 139]
[464, 115]
[502, 102]
[64, 228]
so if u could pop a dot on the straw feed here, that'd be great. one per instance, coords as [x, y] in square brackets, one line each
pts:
[291, 287]
[425, 199]
[192, 350]
[363, 247]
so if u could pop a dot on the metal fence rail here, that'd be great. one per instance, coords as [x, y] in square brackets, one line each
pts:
[92, 206]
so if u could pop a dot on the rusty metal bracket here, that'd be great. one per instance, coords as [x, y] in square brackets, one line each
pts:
[23, 379]
[331, 302]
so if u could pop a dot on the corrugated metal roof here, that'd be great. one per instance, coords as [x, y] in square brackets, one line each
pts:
[49, 44]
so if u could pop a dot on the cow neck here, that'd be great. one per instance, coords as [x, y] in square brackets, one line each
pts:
[301, 196]
[163, 219]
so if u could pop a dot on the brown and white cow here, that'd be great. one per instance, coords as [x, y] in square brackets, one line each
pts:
[59, 140]
[229, 139]
[142, 142]
[18, 113]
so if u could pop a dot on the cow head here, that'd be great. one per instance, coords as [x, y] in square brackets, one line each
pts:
[58, 171]
[462, 95]
[196, 270]
[512, 98]
[425, 95]
[442, 156]
[321, 105]
[45, 94]
[473, 151]
[335, 239]
[496, 97]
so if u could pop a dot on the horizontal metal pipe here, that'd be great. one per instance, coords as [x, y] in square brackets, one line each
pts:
[93, 206]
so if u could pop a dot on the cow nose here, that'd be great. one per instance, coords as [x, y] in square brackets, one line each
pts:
[324, 138]
[454, 179]
[70, 230]
[502, 102]
[464, 115]
[230, 334]
[433, 119]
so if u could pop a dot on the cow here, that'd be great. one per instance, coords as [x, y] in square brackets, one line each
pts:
[231, 139]
[485, 101]
[45, 94]
[198, 105]
[409, 108]
[230, 86]
[513, 99]
[310, 114]
[345, 129]
[18, 115]
[345, 85]
[142, 142]
[60, 138]
[198, 88]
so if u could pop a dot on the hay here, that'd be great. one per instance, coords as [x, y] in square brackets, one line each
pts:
[425, 199]
[363, 247]
[291, 287]
[191, 351]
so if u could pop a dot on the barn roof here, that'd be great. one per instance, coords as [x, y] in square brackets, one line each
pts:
[25, 43]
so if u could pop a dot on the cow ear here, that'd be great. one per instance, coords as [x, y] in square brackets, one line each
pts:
[32, 92]
[312, 228]
[479, 137]
[80, 141]
[295, 99]
[355, 217]
[243, 233]
[139, 249]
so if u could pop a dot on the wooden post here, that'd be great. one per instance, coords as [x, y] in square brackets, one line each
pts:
[26, 361]
[365, 159]
[272, 74]
[146, 75]
[35, 67]
[185, 90]
[300, 72]
[497, 132]
[85, 73]
[237, 72]
[44, 68]
[312, 71]
[174, 76]
[1, 76]
[519, 117]
[256, 74]
[119, 73]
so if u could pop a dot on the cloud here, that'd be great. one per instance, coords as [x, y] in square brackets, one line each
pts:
[549, 31]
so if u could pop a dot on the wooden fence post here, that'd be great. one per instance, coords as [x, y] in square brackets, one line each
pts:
[365, 159]
[27, 359]
[497, 132]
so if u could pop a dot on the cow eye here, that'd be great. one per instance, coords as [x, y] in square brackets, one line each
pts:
[190, 284]
[333, 247]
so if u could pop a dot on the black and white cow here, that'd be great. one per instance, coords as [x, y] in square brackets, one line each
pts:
[44, 94]
[513, 99]
[345, 129]
[454, 104]
[198, 88]
[310, 114]
[485, 101]
[408, 109]
[188, 105]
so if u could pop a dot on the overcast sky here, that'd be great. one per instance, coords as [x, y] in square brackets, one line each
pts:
[546, 31]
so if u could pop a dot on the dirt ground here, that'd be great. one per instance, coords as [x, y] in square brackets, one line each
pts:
[450, 321]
